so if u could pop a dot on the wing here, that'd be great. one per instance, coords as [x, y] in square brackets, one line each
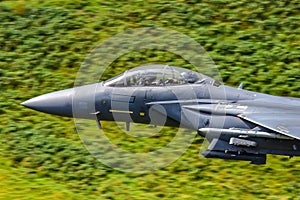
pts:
[284, 123]
[278, 117]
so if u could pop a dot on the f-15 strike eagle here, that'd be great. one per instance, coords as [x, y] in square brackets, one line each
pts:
[239, 124]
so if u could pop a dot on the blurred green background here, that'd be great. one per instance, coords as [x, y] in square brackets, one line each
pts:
[43, 44]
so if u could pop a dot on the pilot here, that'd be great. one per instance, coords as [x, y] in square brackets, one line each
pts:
[146, 78]
[141, 78]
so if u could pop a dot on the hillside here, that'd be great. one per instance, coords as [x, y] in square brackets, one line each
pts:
[43, 44]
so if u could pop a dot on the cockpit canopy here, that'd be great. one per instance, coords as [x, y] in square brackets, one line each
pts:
[159, 75]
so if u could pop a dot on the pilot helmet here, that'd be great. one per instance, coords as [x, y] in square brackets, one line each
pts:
[190, 77]
[183, 76]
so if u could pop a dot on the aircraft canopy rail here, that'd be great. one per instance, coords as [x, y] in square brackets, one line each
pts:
[159, 75]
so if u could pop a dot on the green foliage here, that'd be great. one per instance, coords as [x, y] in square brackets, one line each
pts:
[43, 44]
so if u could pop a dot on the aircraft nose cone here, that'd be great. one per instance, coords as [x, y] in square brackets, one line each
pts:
[57, 103]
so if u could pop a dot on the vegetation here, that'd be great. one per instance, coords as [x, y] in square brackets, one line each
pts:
[43, 44]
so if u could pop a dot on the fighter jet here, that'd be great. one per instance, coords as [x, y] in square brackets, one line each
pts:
[239, 124]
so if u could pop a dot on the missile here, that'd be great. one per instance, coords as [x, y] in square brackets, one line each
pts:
[243, 133]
